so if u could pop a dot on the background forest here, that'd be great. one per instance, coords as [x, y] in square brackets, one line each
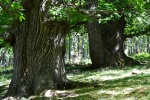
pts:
[75, 49]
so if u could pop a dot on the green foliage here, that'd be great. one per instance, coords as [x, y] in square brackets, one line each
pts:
[75, 16]
[135, 11]
[15, 9]
[70, 14]
[137, 23]
[5, 20]
[110, 11]
[1, 41]
[58, 13]
[13, 13]
[142, 57]
[138, 19]
[113, 9]
[104, 5]
[7, 17]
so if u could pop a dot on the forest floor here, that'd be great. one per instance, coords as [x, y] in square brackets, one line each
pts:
[121, 83]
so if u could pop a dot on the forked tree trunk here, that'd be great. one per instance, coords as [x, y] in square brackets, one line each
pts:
[39, 52]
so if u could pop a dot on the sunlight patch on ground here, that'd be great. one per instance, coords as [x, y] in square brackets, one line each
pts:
[107, 75]
[104, 78]
[6, 82]
[51, 93]
[124, 93]
[130, 83]
[110, 92]
[127, 90]
[125, 83]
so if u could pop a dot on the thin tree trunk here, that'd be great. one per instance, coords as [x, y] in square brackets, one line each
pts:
[136, 47]
[78, 45]
[70, 45]
[83, 48]
[148, 44]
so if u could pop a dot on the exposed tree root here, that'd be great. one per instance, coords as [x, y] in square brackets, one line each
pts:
[122, 61]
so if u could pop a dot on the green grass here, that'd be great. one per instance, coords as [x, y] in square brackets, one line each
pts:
[121, 83]
[115, 84]
[5, 76]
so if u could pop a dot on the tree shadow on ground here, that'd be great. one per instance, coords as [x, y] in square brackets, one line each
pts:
[123, 82]
[5, 76]
[6, 72]
[76, 68]
[3, 89]
[128, 81]
[135, 87]
[139, 86]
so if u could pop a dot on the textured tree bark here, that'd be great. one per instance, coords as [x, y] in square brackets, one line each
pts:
[106, 41]
[95, 39]
[106, 44]
[113, 40]
[95, 44]
[39, 51]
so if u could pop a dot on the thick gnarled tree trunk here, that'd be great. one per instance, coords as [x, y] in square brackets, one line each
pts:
[113, 39]
[106, 44]
[39, 51]
[106, 41]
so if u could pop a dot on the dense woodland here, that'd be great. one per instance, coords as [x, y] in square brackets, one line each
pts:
[42, 39]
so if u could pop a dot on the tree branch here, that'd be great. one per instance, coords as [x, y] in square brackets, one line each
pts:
[93, 12]
[78, 24]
